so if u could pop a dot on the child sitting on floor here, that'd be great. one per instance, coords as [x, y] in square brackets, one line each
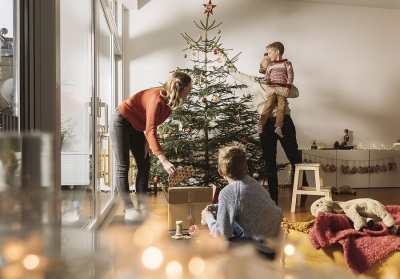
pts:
[245, 209]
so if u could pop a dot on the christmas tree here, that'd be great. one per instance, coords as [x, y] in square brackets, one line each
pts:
[214, 115]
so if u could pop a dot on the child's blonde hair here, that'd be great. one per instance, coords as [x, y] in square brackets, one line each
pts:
[174, 86]
[277, 46]
[232, 161]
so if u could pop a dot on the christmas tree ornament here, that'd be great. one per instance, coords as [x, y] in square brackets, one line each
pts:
[244, 141]
[256, 175]
[194, 53]
[156, 179]
[184, 56]
[204, 99]
[189, 129]
[190, 46]
[238, 118]
[193, 230]
[201, 134]
[209, 8]
[216, 99]
[212, 123]
[219, 31]
[196, 81]
[200, 37]
[240, 107]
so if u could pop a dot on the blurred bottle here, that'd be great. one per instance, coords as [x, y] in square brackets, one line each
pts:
[346, 137]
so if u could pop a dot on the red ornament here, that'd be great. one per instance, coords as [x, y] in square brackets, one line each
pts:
[193, 230]
[209, 7]
[244, 140]
[188, 129]
[204, 100]
[156, 179]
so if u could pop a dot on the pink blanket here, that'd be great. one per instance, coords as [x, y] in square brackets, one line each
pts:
[361, 248]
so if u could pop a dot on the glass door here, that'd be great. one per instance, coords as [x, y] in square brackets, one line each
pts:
[105, 97]
[77, 90]
[87, 100]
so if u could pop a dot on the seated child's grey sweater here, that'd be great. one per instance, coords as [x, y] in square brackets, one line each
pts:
[248, 204]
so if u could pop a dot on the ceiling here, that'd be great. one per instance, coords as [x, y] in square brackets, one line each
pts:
[387, 4]
[130, 4]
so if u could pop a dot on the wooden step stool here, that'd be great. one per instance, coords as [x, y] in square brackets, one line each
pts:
[299, 189]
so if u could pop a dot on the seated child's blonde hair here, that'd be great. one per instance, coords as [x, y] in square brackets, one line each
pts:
[232, 161]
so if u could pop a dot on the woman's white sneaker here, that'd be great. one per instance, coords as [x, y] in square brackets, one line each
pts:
[132, 214]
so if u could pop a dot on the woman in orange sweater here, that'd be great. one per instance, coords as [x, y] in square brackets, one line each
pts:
[133, 127]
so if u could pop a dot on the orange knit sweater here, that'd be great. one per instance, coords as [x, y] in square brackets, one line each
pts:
[146, 110]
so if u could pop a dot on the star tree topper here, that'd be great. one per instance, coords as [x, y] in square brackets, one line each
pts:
[209, 7]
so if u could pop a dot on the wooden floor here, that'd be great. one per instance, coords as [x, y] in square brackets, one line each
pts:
[158, 205]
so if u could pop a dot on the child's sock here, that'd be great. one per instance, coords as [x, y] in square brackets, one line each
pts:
[278, 131]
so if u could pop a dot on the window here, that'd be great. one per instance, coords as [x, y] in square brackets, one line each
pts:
[8, 66]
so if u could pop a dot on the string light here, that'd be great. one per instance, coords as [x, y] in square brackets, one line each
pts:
[289, 250]
[152, 258]
[31, 262]
[174, 269]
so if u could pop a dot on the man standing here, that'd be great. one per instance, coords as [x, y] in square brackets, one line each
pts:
[268, 137]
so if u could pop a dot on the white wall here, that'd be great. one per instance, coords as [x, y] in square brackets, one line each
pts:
[345, 58]
[6, 19]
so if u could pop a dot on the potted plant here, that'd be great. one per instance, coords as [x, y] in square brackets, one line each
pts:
[67, 131]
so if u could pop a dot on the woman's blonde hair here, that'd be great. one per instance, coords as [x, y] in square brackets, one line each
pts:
[232, 161]
[174, 86]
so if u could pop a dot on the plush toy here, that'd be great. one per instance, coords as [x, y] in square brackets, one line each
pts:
[363, 212]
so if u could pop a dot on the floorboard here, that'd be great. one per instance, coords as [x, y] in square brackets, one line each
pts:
[158, 205]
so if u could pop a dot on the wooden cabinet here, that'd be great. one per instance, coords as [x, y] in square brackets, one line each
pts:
[357, 168]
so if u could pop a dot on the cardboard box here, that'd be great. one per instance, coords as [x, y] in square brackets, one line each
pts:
[186, 204]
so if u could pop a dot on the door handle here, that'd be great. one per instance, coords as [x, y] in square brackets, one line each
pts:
[105, 106]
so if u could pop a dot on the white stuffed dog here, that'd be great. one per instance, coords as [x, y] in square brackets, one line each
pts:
[363, 212]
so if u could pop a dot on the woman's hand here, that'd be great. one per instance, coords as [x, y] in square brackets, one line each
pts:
[169, 168]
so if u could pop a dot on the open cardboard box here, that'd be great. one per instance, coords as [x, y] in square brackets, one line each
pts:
[186, 203]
